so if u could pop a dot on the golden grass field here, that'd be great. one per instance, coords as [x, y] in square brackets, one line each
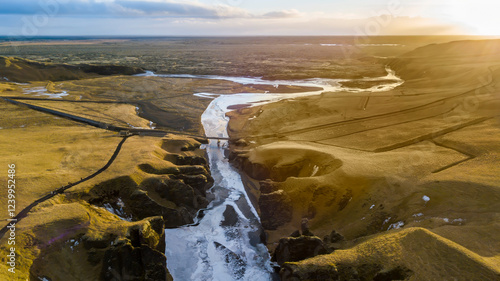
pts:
[362, 164]
[50, 152]
[410, 177]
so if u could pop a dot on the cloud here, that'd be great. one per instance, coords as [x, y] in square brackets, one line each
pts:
[124, 8]
[283, 14]
[179, 9]
[175, 17]
[54, 7]
[136, 8]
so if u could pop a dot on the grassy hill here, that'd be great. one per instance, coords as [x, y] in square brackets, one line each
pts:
[23, 70]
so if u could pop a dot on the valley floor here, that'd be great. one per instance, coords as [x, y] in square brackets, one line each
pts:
[409, 177]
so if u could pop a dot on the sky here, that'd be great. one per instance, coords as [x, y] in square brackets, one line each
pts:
[248, 17]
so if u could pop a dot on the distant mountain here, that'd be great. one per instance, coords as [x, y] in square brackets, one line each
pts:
[438, 62]
[457, 48]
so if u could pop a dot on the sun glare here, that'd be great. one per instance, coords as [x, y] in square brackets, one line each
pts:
[479, 15]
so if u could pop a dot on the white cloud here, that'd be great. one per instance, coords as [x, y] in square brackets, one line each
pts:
[173, 17]
[139, 8]
[124, 8]
[283, 14]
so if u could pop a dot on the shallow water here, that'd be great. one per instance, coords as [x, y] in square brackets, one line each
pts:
[328, 85]
[208, 250]
[42, 91]
[213, 248]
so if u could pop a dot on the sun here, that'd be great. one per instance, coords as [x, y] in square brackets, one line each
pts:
[481, 16]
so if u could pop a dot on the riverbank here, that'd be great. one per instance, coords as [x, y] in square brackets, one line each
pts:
[381, 168]
[93, 223]
[376, 164]
[113, 224]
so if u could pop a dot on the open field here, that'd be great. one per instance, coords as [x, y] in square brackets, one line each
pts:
[409, 177]
[423, 158]
[150, 176]
[80, 179]
[50, 152]
[269, 57]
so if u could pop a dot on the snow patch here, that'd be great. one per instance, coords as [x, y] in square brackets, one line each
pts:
[118, 212]
[328, 85]
[42, 91]
[206, 95]
[397, 225]
[315, 170]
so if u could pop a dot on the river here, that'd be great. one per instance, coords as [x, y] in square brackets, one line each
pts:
[224, 243]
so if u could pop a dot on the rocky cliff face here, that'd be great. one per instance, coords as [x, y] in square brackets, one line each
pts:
[173, 186]
[120, 251]
[138, 257]
[277, 211]
[123, 237]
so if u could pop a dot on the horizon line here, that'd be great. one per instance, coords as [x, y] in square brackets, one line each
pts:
[238, 36]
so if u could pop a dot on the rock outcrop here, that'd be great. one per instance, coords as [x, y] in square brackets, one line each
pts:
[125, 251]
[126, 262]
[139, 256]
[333, 237]
[171, 189]
[292, 249]
[275, 209]
[164, 194]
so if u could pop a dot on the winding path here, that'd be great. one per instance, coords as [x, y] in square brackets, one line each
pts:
[94, 123]
[60, 190]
